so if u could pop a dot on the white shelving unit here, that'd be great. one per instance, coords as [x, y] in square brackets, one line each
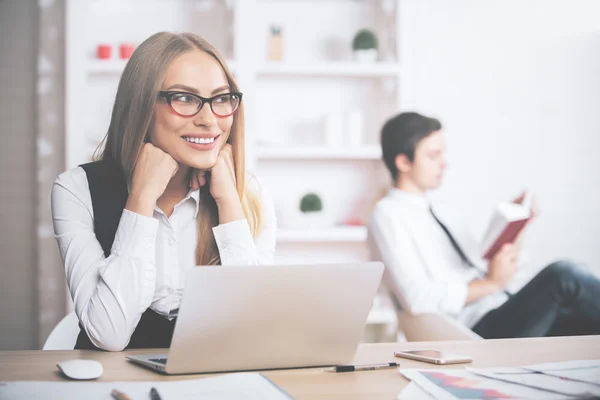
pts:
[332, 69]
[106, 67]
[371, 152]
[316, 82]
[116, 67]
[346, 234]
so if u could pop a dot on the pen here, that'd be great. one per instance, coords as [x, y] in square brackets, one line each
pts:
[368, 367]
[154, 394]
[119, 395]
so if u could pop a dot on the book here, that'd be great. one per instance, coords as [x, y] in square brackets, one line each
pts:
[506, 224]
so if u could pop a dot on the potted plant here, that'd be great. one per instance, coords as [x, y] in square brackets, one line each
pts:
[311, 207]
[365, 46]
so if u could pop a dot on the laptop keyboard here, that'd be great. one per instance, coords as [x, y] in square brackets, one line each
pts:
[159, 360]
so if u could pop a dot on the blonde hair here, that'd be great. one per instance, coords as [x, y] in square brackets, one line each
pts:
[133, 113]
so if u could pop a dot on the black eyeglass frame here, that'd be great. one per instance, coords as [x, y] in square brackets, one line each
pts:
[168, 95]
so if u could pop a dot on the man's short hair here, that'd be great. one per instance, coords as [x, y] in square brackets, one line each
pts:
[401, 135]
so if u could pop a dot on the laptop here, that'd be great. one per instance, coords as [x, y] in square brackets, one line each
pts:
[241, 318]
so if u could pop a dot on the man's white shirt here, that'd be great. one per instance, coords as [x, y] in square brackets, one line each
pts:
[424, 273]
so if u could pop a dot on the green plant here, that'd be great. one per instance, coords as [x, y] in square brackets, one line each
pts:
[364, 40]
[311, 203]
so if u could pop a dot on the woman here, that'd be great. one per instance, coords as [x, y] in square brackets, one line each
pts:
[169, 192]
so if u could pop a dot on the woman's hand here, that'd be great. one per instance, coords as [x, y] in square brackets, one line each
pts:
[222, 186]
[153, 171]
[222, 176]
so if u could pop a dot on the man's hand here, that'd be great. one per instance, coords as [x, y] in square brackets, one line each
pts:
[503, 265]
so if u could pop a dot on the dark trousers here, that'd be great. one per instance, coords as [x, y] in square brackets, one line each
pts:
[561, 300]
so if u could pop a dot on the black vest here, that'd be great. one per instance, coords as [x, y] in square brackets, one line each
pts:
[108, 189]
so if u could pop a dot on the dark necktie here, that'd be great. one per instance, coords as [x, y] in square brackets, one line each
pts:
[460, 252]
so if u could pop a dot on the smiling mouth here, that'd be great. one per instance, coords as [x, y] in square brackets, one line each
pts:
[198, 140]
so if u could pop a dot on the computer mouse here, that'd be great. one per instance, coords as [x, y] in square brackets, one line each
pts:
[81, 369]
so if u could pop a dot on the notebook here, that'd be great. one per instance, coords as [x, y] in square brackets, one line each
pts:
[251, 386]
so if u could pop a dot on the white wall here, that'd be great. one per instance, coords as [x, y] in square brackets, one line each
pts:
[517, 86]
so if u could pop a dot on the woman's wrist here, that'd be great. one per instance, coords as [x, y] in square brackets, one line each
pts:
[230, 209]
[140, 204]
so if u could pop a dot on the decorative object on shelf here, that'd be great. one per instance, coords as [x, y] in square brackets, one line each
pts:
[333, 130]
[355, 126]
[104, 51]
[311, 202]
[276, 43]
[365, 46]
[344, 129]
[387, 6]
[354, 221]
[311, 208]
[126, 50]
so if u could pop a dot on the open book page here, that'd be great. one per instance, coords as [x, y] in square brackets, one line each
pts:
[252, 386]
[507, 222]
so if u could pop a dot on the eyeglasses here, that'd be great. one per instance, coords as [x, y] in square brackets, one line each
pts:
[188, 104]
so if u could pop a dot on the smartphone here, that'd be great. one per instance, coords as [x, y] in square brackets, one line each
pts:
[433, 357]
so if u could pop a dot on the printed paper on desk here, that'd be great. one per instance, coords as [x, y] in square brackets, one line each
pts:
[452, 384]
[540, 381]
[252, 386]
[577, 370]
[413, 391]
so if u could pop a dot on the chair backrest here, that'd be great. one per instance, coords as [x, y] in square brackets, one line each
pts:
[433, 327]
[424, 327]
[64, 334]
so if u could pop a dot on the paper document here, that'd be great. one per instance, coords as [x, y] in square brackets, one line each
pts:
[451, 384]
[413, 392]
[541, 381]
[579, 370]
[252, 386]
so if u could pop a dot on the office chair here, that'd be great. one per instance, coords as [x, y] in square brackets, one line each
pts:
[64, 334]
[424, 327]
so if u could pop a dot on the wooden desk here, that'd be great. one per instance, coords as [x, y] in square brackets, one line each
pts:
[314, 383]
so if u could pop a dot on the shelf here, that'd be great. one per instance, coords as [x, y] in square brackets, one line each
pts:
[370, 152]
[355, 69]
[343, 234]
[116, 67]
[106, 67]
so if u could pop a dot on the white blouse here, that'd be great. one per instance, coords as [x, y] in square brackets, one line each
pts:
[149, 258]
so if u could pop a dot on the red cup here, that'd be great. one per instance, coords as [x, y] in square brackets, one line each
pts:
[126, 50]
[104, 51]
